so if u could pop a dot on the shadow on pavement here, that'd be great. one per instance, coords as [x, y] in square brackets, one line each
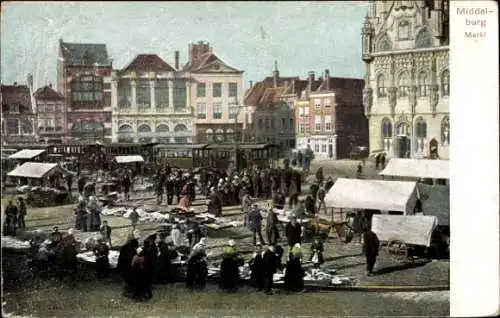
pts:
[400, 267]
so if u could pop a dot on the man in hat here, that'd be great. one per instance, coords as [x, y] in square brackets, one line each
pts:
[293, 232]
[370, 248]
[22, 213]
[11, 213]
[255, 224]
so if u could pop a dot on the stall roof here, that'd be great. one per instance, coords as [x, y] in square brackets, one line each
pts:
[27, 154]
[411, 229]
[35, 170]
[241, 146]
[180, 146]
[382, 195]
[417, 168]
[129, 159]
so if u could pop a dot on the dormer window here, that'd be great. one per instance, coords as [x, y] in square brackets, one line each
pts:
[403, 30]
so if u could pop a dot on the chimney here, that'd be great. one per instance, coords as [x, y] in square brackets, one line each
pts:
[250, 83]
[310, 80]
[177, 60]
[327, 79]
[15, 83]
[50, 85]
[190, 52]
[276, 74]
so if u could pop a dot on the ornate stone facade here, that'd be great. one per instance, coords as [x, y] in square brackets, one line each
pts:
[405, 48]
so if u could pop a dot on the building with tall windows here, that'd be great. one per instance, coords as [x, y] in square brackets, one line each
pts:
[83, 78]
[18, 115]
[151, 102]
[216, 94]
[405, 47]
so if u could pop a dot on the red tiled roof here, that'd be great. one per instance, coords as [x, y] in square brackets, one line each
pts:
[148, 63]
[348, 91]
[47, 93]
[18, 94]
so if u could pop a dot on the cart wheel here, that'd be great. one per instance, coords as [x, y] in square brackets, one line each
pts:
[398, 249]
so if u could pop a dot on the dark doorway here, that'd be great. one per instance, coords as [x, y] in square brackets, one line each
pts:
[330, 150]
[404, 147]
[433, 149]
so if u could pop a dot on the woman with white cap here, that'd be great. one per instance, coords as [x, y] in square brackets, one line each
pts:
[229, 271]
[294, 274]
[196, 274]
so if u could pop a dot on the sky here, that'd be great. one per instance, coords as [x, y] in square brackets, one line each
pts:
[300, 36]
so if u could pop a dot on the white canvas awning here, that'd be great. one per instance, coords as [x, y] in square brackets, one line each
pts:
[27, 154]
[129, 159]
[381, 195]
[417, 168]
[35, 170]
[411, 229]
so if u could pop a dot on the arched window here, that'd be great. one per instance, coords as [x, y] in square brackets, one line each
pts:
[162, 128]
[86, 88]
[219, 135]
[403, 84]
[402, 129]
[162, 134]
[403, 30]
[445, 83]
[423, 39]
[125, 133]
[381, 86]
[384, 43]
[445, 131]
[144, 128]
[144, 131]
[125, 129]
[420, 134]
[423, 84]
[386, 128]
[182, 137]
[230, 135]
[386, 134]
[209, 135]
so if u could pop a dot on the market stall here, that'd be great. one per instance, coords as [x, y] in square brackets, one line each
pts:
[38, 182]
[28, 155]
[351, 195]
[417, 168]
[404, 233]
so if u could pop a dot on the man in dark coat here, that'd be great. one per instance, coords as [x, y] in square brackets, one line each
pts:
[194, 233]
[81, 184]
[126, 184]
[272, 231]
[11, 214]
[370, 248]
[256, 265]
[293, 231]
[254, 219]
[214, 204]
[22, 213]
[164, 271]
[139, 277]
[269, 262]
[278, 200]
[124, 265]
[170, 188]
[256, 182]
